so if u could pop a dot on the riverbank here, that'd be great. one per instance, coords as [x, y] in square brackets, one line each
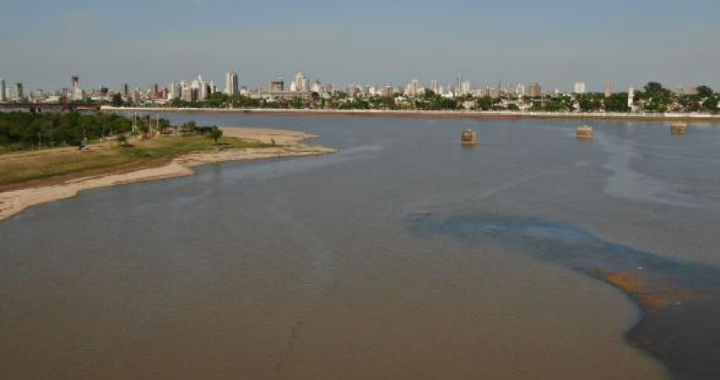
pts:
[260, 144]
[640, 117]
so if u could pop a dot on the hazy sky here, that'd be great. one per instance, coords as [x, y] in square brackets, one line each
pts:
[554, 42]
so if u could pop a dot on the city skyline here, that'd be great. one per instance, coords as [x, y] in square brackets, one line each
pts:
[555, 44]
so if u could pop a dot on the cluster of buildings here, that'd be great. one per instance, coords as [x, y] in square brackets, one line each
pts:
[300, 87]
[17, 93]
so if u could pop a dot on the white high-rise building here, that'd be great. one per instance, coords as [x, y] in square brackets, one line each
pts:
[3, 93]
[300, 84]
[175, 91]
[414, 87]
[579, 88]
[76, 93]
[434, 86]
[201, 87]
[465, 88]
[631, 98]
[231, 83]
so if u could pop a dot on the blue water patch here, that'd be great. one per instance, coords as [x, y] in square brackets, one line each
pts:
[685, 336]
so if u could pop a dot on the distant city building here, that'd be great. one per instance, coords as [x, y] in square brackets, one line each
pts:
[126, 91]
[389, 91]
[413, 88]
[19, 93]
[434, 86]
[520, 90]
[277, 85]
[465, 88]
[231, 83]
[76, 93]
[190, 94]
[203, 88]
[535, 90]
[579, 88]
[317, 87]
[631, 98]
[3, 93]
[300, 83]
[608, 89]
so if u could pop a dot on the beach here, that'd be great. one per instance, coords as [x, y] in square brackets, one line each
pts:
[289, 144]
[451, 114]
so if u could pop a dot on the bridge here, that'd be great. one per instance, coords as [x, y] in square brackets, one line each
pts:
[50, 107]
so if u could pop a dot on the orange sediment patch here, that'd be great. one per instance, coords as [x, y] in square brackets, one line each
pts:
[654, 295]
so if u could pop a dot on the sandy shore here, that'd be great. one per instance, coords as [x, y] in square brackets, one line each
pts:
[452, 114]
[290, 144]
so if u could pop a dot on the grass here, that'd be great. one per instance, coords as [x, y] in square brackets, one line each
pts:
[55, 165]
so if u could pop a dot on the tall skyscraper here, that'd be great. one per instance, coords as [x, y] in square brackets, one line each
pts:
[77, 93]
[300, 84]
[579, 88]
[317, 87]
[175, 91]
[126, 91]
[19, 93]
[277, 85]
[389, 91]
[535, 90]
[434, 86]
[414, 88]
[631, 98]
[608, 89]
[465, 88]
[2, 91]
[231, 83]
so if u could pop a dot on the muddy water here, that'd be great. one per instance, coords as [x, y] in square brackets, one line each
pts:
[404, 256]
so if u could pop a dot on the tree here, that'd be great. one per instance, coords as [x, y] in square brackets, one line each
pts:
[122, 140]
[656, 90]
[216, 133]
[705, 91]
[189, 127]
[617, 103]
[117, 100]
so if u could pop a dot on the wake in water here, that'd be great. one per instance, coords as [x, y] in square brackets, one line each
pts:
[680, 301]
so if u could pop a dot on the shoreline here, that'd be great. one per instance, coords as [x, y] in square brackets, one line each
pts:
[640, 117]
[290, 144]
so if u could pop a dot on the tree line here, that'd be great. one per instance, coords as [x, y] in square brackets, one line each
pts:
[19, 130]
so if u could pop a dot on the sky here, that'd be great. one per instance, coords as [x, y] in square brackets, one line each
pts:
[553, 42]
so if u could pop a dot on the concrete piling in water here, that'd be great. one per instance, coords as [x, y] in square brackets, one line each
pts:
[679, 128]
[468, 138]
[585, 132]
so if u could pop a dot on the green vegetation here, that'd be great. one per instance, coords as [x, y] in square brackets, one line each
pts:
[21, 131]
[62, 164]
[215, 133]
[26, 133]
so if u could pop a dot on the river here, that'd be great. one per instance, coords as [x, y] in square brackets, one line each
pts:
[402, 256]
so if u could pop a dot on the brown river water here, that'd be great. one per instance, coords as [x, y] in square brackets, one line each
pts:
[404, 256]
